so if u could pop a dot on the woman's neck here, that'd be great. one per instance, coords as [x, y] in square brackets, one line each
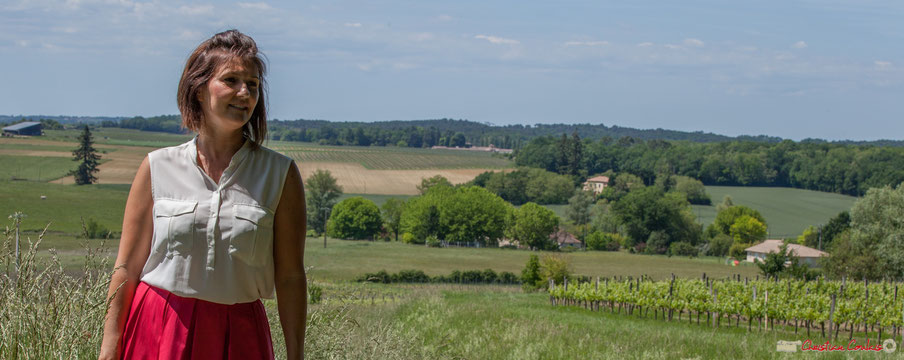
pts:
[219, 147]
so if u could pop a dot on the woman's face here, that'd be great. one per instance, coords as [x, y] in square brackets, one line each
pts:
[230, 96]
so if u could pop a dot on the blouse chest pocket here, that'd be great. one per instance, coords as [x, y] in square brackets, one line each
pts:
[252, 234]
[174, 223]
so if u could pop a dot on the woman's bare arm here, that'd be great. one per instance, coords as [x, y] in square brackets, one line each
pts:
[134, 247]
[290, 226]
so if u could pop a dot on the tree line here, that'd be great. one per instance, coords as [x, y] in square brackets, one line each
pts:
[829, 167]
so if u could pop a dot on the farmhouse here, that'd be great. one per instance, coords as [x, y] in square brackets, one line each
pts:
[561, 237]
[596, 184]
[23, 128]
[807, 255]
[564, 239]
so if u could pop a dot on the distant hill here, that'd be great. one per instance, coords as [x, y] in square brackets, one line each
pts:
[62, 119]
[425, 133]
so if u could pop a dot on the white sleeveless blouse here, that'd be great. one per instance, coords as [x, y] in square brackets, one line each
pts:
[212, 241]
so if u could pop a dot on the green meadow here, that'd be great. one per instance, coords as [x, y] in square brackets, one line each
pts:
[787, 211]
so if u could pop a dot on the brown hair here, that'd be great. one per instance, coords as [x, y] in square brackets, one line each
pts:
[222, 48]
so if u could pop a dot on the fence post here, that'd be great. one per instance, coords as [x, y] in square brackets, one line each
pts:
[552, 285]
[832, 315]
[715, 302]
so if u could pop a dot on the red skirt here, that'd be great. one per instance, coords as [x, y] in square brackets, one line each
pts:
[163, 325]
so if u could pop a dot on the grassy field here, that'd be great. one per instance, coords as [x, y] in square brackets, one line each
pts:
[447, 322]
[35, 168]
[117, 136]
[64, 205]
[787, 211]
[346, 260]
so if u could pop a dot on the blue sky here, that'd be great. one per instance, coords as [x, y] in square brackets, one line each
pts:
[795, 69]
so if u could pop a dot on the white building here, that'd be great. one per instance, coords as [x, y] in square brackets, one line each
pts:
[807, 255]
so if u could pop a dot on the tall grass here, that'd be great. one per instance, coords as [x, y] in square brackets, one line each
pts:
[48, 313]
[45, 312]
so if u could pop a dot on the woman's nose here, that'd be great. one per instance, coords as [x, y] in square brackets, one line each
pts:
[243, 90]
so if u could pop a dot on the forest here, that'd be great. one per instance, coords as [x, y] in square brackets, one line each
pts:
[829, 167]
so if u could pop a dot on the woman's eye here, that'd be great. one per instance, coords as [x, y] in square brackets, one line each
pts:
[229, 80]
[252, 84]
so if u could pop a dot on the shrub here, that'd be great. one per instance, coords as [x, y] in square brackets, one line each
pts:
[94, 230]
[603, 241]
[682, 248]
[720, 244]
[488, 276]
[432, 241]
[409, 238]
[555, 267]
[530, 275]
[410, 276]
[737, 251]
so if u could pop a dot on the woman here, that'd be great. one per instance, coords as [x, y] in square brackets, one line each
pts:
[211, 226]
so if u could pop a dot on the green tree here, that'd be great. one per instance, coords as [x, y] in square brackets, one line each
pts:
[473, 214]
[578, 210]
[774, 263]
[877, 228]
[837, 225]
[727, 217]
[648, 210]
[88, 157]
[530, 275]
[693, 189]
[392, 211]
[747, 229]
[427, 183]
[321, 193]
[463, 214]
[720, 244]
[810, 237]
[531, 225]
[555, 267]
[851, 259]
[458, 140]
[355, 218]
[603, 241]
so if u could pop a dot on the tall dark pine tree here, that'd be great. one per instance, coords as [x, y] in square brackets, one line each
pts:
[88, 157]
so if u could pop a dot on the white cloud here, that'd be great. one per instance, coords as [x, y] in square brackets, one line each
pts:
[22, 43]
[645, 44]
[444, 18]
[672, 46]
[693, 42]
[497, 40]
[403, 66]
[195, 10]
[257, 5]
[422, 36]
[586, 43]
[189, 35]
[67, 30]
[784, 56]
[354, 25]
[883, 65]
[799, 45]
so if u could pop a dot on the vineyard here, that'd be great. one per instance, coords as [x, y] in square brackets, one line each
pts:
[776, 305]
